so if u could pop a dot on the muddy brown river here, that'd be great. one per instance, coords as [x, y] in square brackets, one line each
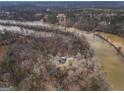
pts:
[112, 62]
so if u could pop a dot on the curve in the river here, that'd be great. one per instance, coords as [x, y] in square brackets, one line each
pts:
[113, 64]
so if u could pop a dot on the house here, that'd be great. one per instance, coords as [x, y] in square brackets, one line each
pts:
[62, 19]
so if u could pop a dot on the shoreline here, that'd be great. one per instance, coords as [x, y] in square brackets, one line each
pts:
[108, 41]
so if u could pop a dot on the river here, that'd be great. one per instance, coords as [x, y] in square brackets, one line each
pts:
[112, 62]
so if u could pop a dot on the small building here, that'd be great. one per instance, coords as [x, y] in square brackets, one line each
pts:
[62, 19]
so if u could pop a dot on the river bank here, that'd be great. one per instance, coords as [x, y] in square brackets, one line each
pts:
[116, 41]
[108, 57]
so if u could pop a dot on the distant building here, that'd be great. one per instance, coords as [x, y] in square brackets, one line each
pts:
[62, 19]
[48, 9]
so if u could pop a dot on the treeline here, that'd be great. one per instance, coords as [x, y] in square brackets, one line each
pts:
[28, 14]
[107, 20]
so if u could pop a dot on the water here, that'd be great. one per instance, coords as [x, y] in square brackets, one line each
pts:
[114, 39]
[113, 64]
